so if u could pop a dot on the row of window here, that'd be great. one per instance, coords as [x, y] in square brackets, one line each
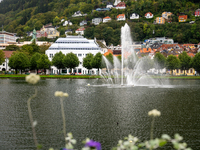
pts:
[74, 48]
[72, 42]
[186, 71]
[79, 55]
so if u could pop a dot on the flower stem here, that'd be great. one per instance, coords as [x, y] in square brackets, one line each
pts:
[63, 116]
[31, 117]
[152, 126]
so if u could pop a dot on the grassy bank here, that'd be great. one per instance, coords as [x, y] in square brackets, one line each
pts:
[87, 76]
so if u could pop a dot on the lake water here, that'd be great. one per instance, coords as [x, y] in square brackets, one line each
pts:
[93, 112]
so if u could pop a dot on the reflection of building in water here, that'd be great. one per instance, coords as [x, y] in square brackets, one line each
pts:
[78, 45]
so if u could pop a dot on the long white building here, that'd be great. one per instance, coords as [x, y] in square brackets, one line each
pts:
[78, 45]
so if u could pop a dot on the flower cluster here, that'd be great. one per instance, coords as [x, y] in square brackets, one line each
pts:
[60, 94]
[32, 78]
[90, 144]
[154, 113]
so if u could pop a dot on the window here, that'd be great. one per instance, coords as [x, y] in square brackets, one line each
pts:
[80, 63]
[177, 70]
[3, 64]
[191, 70]
[79, 55]
[51, 55]
[79, 70]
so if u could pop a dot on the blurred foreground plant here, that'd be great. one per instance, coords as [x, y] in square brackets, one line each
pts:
[33, 79]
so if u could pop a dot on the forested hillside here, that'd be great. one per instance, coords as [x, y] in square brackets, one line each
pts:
[21, 16]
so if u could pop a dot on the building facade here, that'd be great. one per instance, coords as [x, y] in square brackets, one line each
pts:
[78, 45]
[7, 37]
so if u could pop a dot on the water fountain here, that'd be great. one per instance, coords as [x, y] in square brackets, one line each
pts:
[131, 71]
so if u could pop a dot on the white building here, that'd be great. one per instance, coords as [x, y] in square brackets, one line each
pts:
[134, 16]
[6, 37]
[96, 21]
[4, 66]
[106, 19]
[67, 23]
[121, 17]
[80, 31]
[78, 45]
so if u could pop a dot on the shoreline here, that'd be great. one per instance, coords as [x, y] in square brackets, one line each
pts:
[7, 76]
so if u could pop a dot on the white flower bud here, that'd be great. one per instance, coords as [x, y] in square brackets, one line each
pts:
[65, 94]
[154, 113]
[58, 94]
[32, 78]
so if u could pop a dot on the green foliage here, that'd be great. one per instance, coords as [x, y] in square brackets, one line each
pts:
[97, 61]
[196, 62]
[2, 57]
[87, 61]
[185, 61]
[19, 61]
[58, 60]
[159, 61]
[34, 61]
[70, 61]
[43, 62]
[172, 63]
[12, 48]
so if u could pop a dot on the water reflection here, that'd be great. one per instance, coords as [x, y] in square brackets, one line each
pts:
[94, 112]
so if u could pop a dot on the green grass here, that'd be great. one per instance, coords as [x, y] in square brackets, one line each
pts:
[87, 76]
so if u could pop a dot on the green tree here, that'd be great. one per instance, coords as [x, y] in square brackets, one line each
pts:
[19, 61]
[70, 61]
[87, 61]
[43, 63]
[56, 21]
[196, 62]
[97, 61]
[185, 61]
[109, 57]
[34, 61]
[2, 57]
[172, 62]
[12, 48]
[58, 61]
[146, 63]
[159, 61]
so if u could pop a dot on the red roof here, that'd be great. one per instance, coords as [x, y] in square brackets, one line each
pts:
[80, 29]
[107, 17]
[121, 16]
[182, 17]
[8, 53]
[148, 13]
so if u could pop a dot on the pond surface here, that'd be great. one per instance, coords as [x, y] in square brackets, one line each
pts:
[93, 112]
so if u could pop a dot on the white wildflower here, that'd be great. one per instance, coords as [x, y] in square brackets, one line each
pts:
[65, 94]
[88, 84]
[34, 123]
[32, 78]
[154, 113]
[60, 94]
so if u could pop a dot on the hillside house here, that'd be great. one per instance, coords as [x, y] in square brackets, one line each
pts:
[96, 21]
[82, 23]
[160, 20]
[121, 17]
[134, 16]
[109, 5]
[50, 30]
[106, 19]
[69, 31]
[80, 31]
[117, 2]
[121, 5]
[148, 15]
[182, 18]
[197, 13]
[65, 23]
[166, 15]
